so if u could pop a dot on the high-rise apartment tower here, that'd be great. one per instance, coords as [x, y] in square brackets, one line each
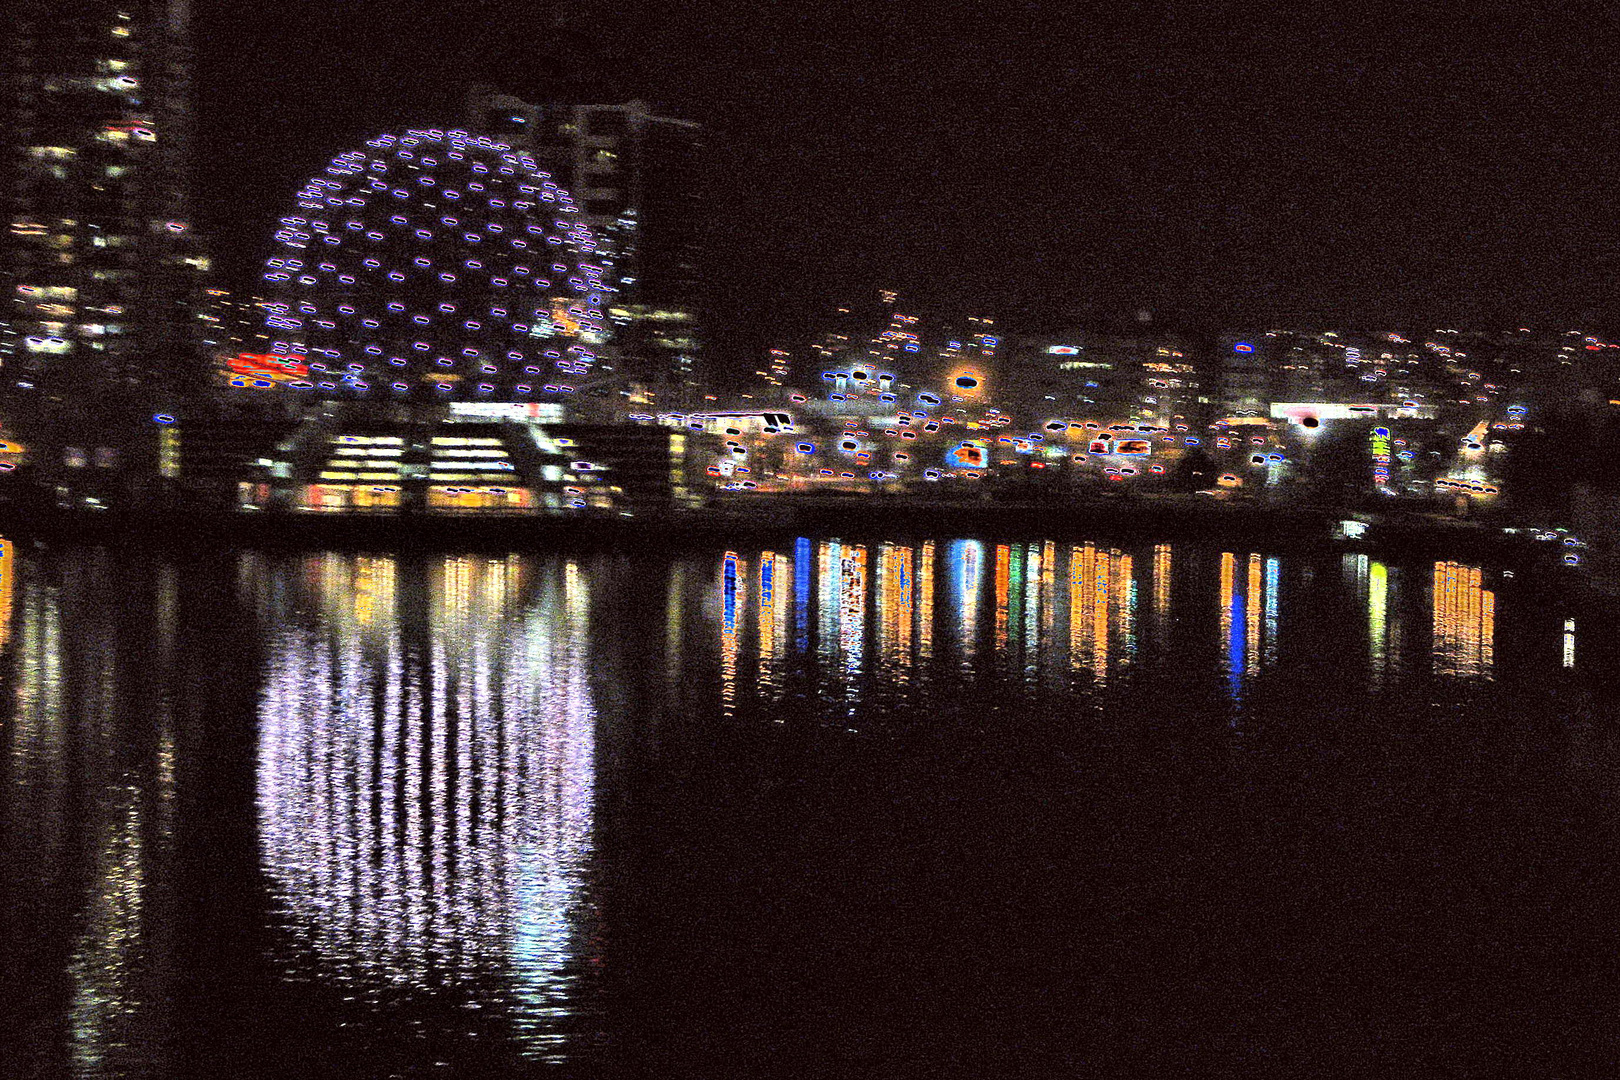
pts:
[99, 267]
[637, 178]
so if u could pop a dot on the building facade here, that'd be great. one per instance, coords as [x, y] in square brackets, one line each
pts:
[100, 268]
[637, 178]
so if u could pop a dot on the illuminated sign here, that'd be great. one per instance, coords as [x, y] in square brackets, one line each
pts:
[1298, 411]
[772, 422]
[266, 366]
[1062, 350]
[1133, 447]
[1242, 347]
[534, 411]
[1379, 441]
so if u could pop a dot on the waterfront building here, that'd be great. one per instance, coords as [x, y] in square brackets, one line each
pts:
[345, 464]
[433, 267]
[468, 458]
[1084, 375]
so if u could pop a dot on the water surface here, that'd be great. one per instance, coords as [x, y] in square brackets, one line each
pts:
[946, 806]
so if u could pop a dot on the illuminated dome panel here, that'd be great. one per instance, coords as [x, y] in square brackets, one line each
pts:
[436, 265]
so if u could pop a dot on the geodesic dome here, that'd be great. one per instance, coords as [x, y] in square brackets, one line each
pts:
[436, 265]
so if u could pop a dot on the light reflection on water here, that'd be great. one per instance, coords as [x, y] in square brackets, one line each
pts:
[1069, 618]
[425, 790]
[425, 772]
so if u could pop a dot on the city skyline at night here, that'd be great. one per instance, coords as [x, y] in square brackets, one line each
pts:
[815, 540]
[1010, 162]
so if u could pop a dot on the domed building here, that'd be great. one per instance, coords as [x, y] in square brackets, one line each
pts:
[436, 266]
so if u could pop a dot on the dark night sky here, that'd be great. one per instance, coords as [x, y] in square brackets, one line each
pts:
[1015, 156]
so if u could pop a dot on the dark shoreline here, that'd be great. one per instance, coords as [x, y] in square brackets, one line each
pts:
[1256, 526]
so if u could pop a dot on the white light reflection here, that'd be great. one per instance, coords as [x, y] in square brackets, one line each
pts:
[426, 806]
[965, 563]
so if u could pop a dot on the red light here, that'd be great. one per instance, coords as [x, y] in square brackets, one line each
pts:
[267, 366]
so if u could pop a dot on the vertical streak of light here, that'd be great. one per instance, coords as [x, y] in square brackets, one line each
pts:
[1273, 568]
[803, 556]
[888, 609]
[8, 571]
[906, 569]
[895, 590]
[1377, 621]
[1013, 622]
[105, 997]
[829, 598]
[925, 603]
[1016, 581]
[968, 583]
[1003, 576]
[447, 639]
[1030, 631]
[1102, 570]
[1464, 624]
[1569, 643]
[1161, 593]
[1438, 646]
[1252, 616]
[1473, 620]
[1125, 598]
[728, 634]
[1079, 594]
[389, 837]
[35, 804]
[785, 576]
[673, 626]
[1231, 643]
[428, 702]
[1038, 610]
[852, 617]
[767, 624]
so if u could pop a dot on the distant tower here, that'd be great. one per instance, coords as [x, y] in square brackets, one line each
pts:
[99, 267]
[638, 178]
